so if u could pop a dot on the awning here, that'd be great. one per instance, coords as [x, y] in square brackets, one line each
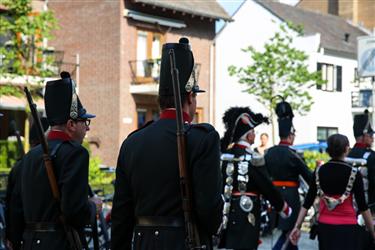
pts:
[139, 16]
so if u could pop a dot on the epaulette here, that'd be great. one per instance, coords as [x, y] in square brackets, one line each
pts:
[144, 126]
[204, 126]
[257, 160]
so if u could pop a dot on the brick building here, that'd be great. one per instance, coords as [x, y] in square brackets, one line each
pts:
[119, 47]
[360, 12]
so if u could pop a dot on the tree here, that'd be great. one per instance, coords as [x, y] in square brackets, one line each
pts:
[25, 33]
[279, 69]
[23, 39]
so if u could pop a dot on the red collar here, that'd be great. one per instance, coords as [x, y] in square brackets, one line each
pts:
[58, 135]
[360, 145]
[285, 143]
[171, 114]
[239, 146]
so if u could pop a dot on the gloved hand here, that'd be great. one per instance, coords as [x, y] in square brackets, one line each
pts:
[286, 212]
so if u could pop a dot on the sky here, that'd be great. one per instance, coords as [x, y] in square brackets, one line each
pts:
[232, 5]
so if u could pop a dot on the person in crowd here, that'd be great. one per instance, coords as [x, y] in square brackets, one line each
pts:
[262, 148]
[285, 167]
[42, 213]
[13, 204]
[336, 182]
[363, 134]
[147, 201]
[245, 181]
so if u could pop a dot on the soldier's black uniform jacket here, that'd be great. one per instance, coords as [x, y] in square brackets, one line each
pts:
[147, 186]
[361, 150]
[285, 166]
[240, 233]
[42, 227]
[13, 207]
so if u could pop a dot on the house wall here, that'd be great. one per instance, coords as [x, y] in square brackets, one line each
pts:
[91, 29]
[331, 109]
[358, 11]
[106, 41]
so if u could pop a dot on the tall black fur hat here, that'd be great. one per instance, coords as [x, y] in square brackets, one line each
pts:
[238, 121]
[362, 124]
[185, 65]
[61, 101]
[285, 116]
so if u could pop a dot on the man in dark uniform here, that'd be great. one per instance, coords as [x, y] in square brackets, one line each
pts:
[147, 200]
[245, 181]
[69, 123]
[285, 166]
[13, 204]
[363, 134]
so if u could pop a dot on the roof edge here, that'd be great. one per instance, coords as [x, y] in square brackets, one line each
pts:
[216, 17]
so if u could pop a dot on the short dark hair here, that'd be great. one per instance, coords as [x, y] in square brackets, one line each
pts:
[337, 144]
[265, 134]
[166, 102]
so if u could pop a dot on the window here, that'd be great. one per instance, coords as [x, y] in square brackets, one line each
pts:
[141, 114]
[149, 46]
[325, 132]
[333, 75]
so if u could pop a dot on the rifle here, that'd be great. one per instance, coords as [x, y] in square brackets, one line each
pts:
[71, 234]
[192, 236]
[16, 132]
[94, 225]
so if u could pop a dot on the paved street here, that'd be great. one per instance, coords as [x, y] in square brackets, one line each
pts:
[304, 244]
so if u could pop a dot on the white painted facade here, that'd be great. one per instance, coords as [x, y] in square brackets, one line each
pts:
[254, 25]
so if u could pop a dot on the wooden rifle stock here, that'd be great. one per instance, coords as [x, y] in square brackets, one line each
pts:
[192, 236]
[72, 235]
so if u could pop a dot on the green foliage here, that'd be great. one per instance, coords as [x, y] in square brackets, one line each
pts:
[279, 69]
[311, 158]
[25, 32]
[8, 154]
[97, 178]
[10, 90]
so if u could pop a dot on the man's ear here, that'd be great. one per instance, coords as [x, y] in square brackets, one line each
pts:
[70, 124]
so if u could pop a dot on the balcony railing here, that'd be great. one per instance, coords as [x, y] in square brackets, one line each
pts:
[145, 71]
[362, 98]
[52, 61]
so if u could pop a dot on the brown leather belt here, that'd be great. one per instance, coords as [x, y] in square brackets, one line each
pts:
[285, 183]
[245, 193]
[159, 221]
[42, 227]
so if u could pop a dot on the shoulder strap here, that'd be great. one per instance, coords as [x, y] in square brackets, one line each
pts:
[349, 186]
[56, 149]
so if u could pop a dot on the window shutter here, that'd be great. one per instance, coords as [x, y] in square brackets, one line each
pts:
[338, 78]
[319, 68]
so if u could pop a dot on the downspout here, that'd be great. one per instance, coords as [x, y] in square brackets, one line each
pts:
[212, 88]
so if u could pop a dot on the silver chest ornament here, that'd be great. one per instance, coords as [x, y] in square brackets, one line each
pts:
[246, 204]
[228, 189]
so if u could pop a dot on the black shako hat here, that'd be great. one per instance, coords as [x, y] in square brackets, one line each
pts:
[61, 101]
[185, 65]
[362, 124]
[238, 121]
[285, 116]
